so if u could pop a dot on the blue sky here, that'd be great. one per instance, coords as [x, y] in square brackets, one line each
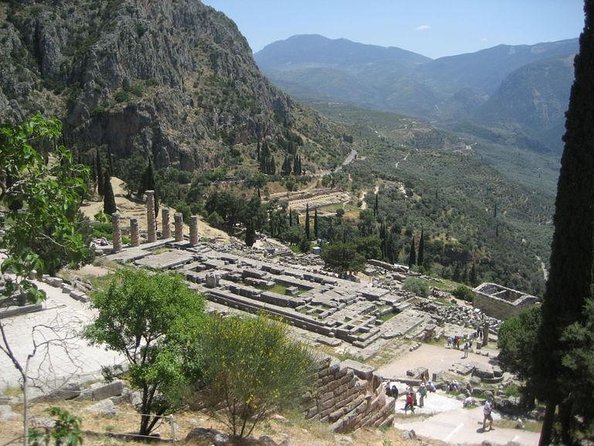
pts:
[433, 28]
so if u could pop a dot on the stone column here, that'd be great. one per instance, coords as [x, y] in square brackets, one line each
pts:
[150, 216]
[134, 237]
[485, 333]
[117, 232]
[165, 223]
[179, 226]
[194, 230]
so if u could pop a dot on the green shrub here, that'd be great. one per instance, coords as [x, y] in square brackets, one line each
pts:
[417, 286]
[464, 293]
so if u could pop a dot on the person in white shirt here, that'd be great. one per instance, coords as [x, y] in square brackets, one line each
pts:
[487, 416]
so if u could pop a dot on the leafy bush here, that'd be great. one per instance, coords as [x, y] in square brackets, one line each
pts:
[464, 293]
[250, 367]
[417, 286]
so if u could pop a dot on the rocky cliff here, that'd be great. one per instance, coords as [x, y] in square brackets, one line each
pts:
[172, 78]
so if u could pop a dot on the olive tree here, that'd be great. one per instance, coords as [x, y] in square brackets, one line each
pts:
[250, 366]
[151, 318]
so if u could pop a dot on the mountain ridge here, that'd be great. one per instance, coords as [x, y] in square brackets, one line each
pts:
[173, 80]
[443, 90]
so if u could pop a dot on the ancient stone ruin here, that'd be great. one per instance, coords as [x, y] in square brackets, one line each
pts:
[501, 302]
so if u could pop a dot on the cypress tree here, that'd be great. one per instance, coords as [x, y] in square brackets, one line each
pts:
[376, 205]
[109, 204]
[290, 217]
[570, 275]
[316, 230]
[100, 174]
[412, 256]
[148, 183]
[307, 231]
[297, 165]
[473, 275]
[94, 173]
[110, 160]
[421, 254]
[250, 233]
[286, 168]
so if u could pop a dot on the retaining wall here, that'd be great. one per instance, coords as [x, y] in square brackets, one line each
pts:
[349, 396]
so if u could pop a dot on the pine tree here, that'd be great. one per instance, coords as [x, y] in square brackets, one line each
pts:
[100, 175]
[570, 275]
[412, 256]
[316, 227]
[421, 254]
[109, 204]
[307, 230]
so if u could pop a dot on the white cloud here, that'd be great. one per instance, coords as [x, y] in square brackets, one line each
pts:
[423, 27]
[484, 39]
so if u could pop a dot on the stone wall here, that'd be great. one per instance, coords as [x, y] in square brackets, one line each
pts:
[349, 396]
[500, 302]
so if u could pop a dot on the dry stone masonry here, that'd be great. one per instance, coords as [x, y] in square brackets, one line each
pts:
[349, 396]
[194, 230]
[150, 216]
[165, 223]
[502, 302]
[179, 226]
[117, 232]
[134, 235]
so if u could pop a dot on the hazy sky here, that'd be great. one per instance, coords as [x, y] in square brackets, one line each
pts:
[433, 28]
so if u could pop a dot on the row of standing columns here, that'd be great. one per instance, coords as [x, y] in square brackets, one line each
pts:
[152, 226]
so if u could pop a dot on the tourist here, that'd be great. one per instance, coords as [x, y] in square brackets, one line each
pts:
[422, 394]
[410, 403]
[392, 390]
[468, 389]
[466, 350]
[487, 414]
[431, 387]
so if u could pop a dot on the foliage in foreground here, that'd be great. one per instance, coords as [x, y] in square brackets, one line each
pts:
[41, 198]
[66, 430]
[41, 189]
[250, 367]
[569, 286]
[151, 319]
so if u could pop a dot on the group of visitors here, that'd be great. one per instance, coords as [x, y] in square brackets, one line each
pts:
[411, 396]
[464, 342]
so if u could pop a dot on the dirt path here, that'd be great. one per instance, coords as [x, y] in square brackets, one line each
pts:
[462, 426]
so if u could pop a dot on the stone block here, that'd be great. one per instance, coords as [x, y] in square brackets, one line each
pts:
[336, 414]
[108, 390]
[104, 407]
[361, 370]
[67, 392]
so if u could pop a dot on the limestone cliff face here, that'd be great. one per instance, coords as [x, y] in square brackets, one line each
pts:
[173, 78]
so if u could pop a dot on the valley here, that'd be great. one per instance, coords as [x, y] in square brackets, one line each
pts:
[301, 244]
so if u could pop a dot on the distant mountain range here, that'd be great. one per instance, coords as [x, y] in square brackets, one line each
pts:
[520, 91]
